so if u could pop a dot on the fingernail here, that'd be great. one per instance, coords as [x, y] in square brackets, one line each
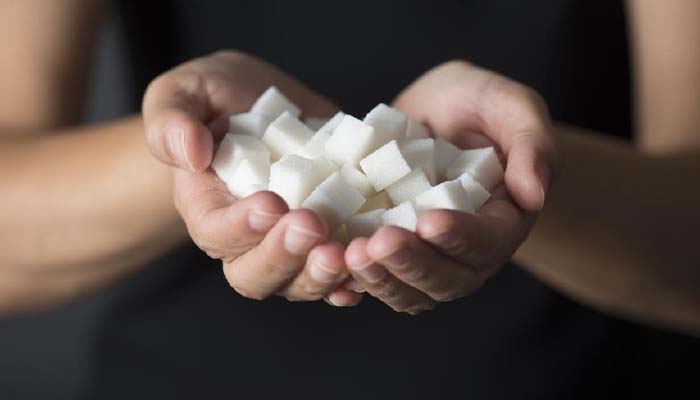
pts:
[542, 196]
[261, 221]
[398, 261]
[353, 285]
[299, 241]
[542, 175]
[322, 273]
[371, 272]
[176, 146]
[335, 300]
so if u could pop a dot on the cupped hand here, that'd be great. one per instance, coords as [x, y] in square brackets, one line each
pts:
[452, 254]
[265, 248]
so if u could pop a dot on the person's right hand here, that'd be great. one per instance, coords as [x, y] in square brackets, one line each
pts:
[265, 248]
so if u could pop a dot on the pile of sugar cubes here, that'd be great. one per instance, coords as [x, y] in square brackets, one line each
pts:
[357, 175]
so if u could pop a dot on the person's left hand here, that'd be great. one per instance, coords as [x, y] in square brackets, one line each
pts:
[453, 253]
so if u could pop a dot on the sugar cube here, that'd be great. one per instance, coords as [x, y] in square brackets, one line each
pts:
[315, 147]
[332, 123]
[286, 135]
[445, 154]
[476, 193]
[403, 216]
[248, 124]
[389, 123]
[272, 103]
[234, 148]
[482, 164]
[385, 166]
[420, 153]
[293, 178]
[416, 130]
[364, 224]
[334, 200]
[315, 123]
[380, 201]
[324, 166]
[357, 179]
[351, 140]
[250, 176]
[448, 195]
[408, 187]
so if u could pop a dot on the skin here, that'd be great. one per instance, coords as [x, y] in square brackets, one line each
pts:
[81, 206]
[265, 248]
[54, 251]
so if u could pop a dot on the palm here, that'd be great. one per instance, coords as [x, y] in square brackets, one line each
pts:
[452, 253]
[265, 247]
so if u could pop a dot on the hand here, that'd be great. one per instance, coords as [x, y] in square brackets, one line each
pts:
[453, 253]
[265, 248]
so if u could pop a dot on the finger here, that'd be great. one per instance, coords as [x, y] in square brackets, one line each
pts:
[175, 112]
[483, 241]
[279, 257]
[512, 115]
[419, 265]
[341, 297]
[353, 285]
[325, 270]
[218, 223]
[381, 284]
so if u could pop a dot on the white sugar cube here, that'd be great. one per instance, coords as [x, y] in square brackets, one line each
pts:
[416, 130]
[248, 124]
[364, 224]
[286, 135]
[332, 123]
[315, 123]
[316, 146]
[476, 193]
[482, 164]
[445, 154]
[234, 148]
[250, 176]
[448, 195]
[403, 216]
[408, 187]
[358, 180]
[385, 166]
[379, 201]
[352, 139]
[293, 178]
[325, 167]
[389, 123]
[272, 103]
[420, 153]
[334, 200]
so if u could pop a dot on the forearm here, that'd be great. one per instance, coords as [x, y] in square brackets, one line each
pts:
[81, 201]
[619, 229]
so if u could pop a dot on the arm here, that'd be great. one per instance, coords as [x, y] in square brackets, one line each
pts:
[620, 227]
[80, 206]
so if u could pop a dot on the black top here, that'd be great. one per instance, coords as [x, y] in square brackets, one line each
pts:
[177, 330]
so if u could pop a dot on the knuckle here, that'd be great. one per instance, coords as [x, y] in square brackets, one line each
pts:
[388, 288]
[448, 295]
[311, 291]
[416, 273]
